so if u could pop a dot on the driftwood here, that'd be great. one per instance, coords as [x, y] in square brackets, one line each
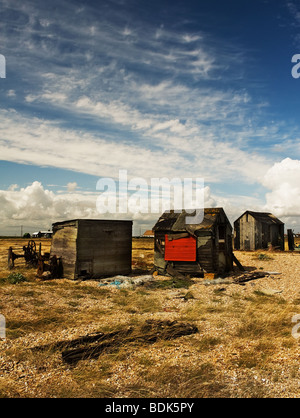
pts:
[249, 276]
[91, 346]
[90, 338]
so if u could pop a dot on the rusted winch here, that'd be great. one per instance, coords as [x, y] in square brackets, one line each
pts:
[30, 255]
[33, 258]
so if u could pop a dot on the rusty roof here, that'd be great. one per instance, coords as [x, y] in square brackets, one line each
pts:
[148, 233]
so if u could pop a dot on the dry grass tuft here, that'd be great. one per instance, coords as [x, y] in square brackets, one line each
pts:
[243, 347]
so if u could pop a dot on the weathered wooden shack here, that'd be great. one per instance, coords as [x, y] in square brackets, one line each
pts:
[258, 230]
[193, 248]
[93, 248]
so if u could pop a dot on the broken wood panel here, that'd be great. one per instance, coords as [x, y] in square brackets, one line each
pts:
[207, 255]
[187, 267]
[247, 232]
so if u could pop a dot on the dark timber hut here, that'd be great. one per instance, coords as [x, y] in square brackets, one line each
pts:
[93, 248]
[193, 248]
[258, 230]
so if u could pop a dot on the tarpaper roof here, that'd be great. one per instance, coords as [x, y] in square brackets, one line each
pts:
[190, 220]
[263, 217]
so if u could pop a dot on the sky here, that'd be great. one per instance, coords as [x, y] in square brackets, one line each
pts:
[161, 89]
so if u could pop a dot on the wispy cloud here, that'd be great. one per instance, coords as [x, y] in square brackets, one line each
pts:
[179, 150]
[94, 89]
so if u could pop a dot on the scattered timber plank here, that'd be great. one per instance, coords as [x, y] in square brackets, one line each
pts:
[89, 338]
[150, 332]
[91, 346]
[248, 277]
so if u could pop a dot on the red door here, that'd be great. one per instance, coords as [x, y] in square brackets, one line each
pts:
[183, 249]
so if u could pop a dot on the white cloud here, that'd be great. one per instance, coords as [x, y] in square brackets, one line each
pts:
[190, 38]
[72, 186]
[54, 97]
[11, 93]
[283, 179]
[37, 207]
[173, 125]
[13, 187]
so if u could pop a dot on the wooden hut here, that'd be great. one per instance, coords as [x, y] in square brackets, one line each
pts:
[193, 248]
[93, 248]
[258, 230]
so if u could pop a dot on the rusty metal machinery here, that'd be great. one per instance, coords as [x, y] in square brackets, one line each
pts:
[30, 255]
[33, 258]
[53, 269]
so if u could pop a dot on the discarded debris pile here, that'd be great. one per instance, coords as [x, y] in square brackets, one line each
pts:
[126, 281]
[218, 280]
[170, 283]
[92, 345]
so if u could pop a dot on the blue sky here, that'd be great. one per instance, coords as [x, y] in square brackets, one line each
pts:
[161, 89]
